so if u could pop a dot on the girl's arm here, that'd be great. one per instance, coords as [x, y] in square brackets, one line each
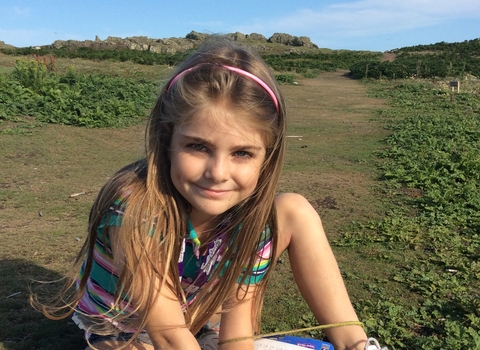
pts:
[315, 270]
[166, 324]
[237, 323]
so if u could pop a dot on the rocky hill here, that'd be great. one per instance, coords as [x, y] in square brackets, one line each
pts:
[5, 46]
[191, 41]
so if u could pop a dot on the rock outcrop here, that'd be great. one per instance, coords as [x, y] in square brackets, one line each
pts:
[290, 40]
[5, 46]
[191, 41]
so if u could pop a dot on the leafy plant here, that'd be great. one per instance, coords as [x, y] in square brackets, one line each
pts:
[30, 74]
[74, 98]
[285, 78]
[431, 167]
[424, 61]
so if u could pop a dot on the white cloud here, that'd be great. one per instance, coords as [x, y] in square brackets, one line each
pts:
[22, 11]
[427, 7]
[369, 17]
[12, 13]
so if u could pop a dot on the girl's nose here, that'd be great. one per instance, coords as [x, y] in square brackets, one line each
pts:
[217, 169]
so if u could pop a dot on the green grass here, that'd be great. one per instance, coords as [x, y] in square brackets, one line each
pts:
[430, 170]
[392, 244]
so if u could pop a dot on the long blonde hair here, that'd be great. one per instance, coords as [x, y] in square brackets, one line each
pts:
[154, 223]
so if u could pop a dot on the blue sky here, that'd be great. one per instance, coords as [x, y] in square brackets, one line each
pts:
[376, 25]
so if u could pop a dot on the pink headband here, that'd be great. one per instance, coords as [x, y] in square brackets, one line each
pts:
[238, 71]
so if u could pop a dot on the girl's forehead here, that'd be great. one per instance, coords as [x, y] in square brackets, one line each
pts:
[220, 119]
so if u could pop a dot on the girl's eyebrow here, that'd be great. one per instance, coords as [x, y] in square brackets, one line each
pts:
[195, 139]
[210, 144]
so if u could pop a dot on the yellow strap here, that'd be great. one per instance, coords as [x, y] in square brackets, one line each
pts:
[324, 326]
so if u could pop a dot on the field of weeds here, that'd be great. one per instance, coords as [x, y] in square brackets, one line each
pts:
[391, 166]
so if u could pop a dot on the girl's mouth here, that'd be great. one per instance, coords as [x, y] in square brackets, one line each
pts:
[213, 193]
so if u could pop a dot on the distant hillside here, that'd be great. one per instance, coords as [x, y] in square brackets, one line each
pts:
[464, 48]
[278, 43]
[6, 46]
[283, 52]
[424, 61]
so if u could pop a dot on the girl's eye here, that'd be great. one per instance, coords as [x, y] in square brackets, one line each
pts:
[243, 154]
[197, 147]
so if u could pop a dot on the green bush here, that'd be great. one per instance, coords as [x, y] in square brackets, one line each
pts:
[74, 99]
[285, 78]
[424, 61]
[136, 56]
[30, 74]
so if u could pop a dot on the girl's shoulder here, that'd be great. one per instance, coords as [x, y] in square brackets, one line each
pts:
[291, 201]
[293, 207]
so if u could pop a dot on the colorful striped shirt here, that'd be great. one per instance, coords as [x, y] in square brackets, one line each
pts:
[98, 299]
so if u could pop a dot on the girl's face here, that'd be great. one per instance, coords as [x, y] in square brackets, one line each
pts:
[215, 162]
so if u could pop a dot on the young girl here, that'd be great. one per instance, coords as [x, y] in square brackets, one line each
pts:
[192, 231]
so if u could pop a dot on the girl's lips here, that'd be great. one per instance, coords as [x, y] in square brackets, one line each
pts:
[214, 193]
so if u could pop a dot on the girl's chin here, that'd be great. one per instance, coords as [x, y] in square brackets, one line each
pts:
[207, 215]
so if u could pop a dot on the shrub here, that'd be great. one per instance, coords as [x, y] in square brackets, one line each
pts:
[30, 74]
[74, 98]
[285, 78]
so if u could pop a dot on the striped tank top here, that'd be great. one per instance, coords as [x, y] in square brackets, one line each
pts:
[194, 270]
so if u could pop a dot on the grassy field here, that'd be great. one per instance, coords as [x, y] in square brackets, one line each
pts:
[336, 129]
[330, 161]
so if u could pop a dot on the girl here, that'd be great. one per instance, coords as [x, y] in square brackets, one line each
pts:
[193, 229]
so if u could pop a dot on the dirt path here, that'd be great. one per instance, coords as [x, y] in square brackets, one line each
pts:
[332, 164]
